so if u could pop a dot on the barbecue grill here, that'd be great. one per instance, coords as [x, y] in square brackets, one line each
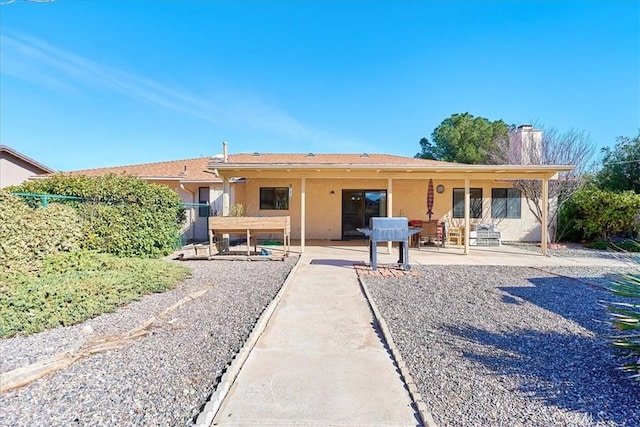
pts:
[383, 229]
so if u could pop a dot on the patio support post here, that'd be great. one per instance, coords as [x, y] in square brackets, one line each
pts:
[225, 196]
[225, 211]
[303, 214]
[545, 206]
[389, 208]
[467, 204]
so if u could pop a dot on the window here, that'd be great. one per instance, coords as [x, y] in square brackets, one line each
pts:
[475, 209]
[203, 198]
[274, 198]
[505, 203]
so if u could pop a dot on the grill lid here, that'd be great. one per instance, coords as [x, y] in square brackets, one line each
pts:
[386, 222]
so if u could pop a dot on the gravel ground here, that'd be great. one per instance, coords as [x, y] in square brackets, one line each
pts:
[576, 250]
[509, 346]
[163, 378]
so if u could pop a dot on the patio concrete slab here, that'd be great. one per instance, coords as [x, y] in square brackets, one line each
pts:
[320, 360]
[358, 250]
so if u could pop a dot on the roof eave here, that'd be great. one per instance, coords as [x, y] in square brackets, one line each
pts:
[463, 168]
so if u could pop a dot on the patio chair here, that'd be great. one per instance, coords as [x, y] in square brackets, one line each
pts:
[432, 232]
[454, 235]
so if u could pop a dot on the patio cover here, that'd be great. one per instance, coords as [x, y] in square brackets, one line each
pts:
[375, 166]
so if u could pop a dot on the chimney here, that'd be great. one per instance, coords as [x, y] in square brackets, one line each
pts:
[225, 155]
[525, 146]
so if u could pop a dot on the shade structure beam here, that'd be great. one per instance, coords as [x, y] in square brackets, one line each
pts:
[303, 213]
[544, 226]
[467, 222]
[389, 206]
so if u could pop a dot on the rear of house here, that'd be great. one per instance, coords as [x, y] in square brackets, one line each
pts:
[329, 196]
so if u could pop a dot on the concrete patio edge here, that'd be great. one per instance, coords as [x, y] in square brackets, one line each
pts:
[205, 418]
[423, 411]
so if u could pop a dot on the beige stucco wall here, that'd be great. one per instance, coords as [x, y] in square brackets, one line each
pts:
[14, 171]
[324, 211]
[410, 200]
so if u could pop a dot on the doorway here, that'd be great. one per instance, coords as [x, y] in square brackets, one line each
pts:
[358, 206]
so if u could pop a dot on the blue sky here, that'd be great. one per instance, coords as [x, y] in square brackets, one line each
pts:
[87, 84]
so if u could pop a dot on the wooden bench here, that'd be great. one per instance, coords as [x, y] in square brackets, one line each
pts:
[250, 226]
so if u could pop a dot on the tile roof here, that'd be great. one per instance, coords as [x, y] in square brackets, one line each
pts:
[329, 159]
[196, 169]
[185, 170]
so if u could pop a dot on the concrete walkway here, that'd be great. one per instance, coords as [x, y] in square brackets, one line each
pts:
[319, 361]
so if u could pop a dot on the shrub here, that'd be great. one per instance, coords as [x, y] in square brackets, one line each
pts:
[72, 287]
[28, 235]
[624, 246]
[626, 318]
[601, 214]
[122, 215]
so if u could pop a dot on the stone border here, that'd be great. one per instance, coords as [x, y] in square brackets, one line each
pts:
[208, 413]
[424, 414]
[384, 270]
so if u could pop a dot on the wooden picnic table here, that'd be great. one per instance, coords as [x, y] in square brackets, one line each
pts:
[250, 226]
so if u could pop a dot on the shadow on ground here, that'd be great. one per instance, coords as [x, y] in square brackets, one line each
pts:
[576, 371]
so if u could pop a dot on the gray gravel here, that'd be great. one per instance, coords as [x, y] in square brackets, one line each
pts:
[161, 379]
[576, 250]
[509, 346]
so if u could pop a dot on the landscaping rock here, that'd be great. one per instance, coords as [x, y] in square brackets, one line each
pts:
[162, 378]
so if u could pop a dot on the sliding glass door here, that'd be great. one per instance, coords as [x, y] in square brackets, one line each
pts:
[357, 207]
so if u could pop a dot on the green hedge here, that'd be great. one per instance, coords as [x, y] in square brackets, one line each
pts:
[595, 214]
[122, 215]
[29, 235]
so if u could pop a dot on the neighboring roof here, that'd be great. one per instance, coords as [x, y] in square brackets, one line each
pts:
[34, 163]
[183, 170]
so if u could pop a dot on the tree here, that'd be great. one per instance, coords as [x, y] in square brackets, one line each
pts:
[463, 138]
[573, 147]
[428, 151]
[621, 166]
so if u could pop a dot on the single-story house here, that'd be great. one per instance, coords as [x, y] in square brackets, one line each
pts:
[15, 167]
[328, 196]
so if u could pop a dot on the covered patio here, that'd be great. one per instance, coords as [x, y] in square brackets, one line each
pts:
[308, 187]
